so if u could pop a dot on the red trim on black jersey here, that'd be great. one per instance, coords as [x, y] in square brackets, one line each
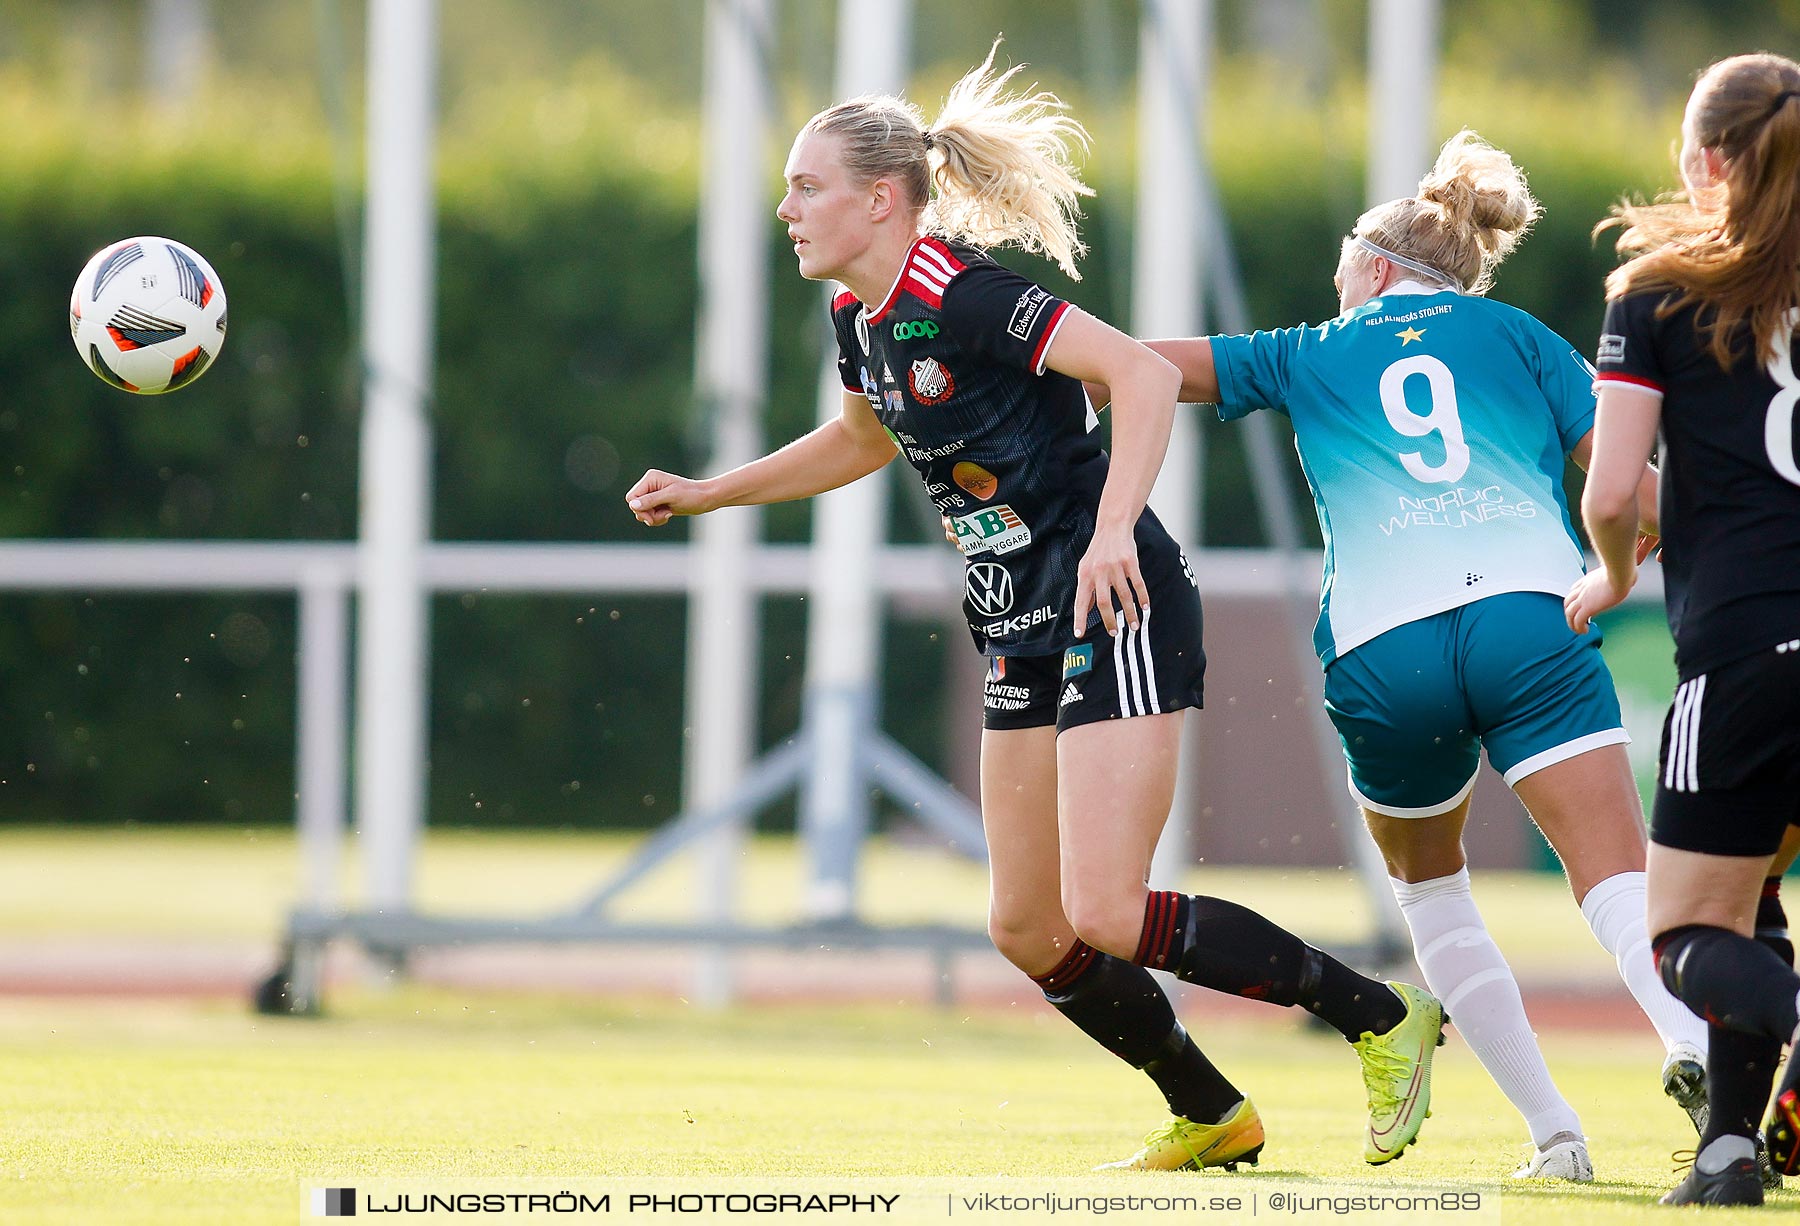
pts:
[926, 273]
[843, 299]
[1619, 376]
[1038, 354]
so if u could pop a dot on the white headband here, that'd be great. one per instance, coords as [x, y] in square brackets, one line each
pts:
[1425, 270]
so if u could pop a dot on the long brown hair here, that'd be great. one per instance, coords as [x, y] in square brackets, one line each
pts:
[1736, 253]
[1471, 210]
[1000, 163]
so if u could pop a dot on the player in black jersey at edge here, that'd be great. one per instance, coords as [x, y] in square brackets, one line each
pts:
[1698, 346]
[1082, 602]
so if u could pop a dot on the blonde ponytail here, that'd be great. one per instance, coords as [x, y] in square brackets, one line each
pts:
[1002, 168]
[1000, 164]
[1472, 208]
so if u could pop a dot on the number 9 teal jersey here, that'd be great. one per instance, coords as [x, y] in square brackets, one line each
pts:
[1432, 428]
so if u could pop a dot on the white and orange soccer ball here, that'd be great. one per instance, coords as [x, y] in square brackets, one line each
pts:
[148, 315]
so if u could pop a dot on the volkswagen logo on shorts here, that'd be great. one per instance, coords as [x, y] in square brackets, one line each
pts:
[989, 588]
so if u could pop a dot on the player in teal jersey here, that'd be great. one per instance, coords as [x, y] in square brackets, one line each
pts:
[1432, 426]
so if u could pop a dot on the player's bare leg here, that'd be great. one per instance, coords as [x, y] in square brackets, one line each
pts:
[1119, 1005]
[1117, 783]
[1018, 812]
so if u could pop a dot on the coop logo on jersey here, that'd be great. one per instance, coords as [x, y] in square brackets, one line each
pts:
[931, 383]
[915, 330]
[989, 588]
[1612, 348]
[1026, 311]
[1078, 660]
[997, 528]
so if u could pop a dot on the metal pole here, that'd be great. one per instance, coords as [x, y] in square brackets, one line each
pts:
[1403, 49]
[1173, 49]
[731, 360]
[322, 669]
[395, 473]
[844, 613]
[178, 53]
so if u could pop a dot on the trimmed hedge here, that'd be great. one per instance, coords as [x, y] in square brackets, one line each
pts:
[565, 308]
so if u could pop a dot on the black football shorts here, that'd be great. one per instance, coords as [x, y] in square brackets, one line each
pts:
[1728, 783]
[1157, 667]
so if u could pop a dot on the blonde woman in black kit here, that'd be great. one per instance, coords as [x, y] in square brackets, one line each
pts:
[1082, 603]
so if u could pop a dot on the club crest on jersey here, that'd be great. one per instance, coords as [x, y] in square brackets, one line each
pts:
[997, 528]
[931, 383]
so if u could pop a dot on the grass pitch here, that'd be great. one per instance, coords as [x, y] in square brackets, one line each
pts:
[197, 1112]
[128, 1112]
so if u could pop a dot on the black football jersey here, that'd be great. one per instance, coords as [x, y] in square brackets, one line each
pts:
[1730, 502]
[953, 363]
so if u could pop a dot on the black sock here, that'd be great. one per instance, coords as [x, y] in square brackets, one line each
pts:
[1740, 1069]
[1123, 1008]
[1729, 980]
[1771, 921]
[1229, 948]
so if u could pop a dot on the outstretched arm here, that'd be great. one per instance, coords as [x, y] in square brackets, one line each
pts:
[1192, 356]
[852, 445]
[1143, 389]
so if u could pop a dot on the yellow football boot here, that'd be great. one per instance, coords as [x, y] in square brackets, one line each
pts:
[1182, 1145]
[1396, 1069]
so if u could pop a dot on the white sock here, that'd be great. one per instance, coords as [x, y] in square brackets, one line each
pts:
[1723, 1151]
[1614, 909]
[1464, 969]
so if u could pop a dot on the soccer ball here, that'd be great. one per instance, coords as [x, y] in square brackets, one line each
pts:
[148, 315]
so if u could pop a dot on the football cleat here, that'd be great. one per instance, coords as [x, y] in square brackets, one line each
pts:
[1565, 1157]
[1737, 1184]
[1396, 1069]
[1783, 1128]
[1183, 1145]
[1684, 1080]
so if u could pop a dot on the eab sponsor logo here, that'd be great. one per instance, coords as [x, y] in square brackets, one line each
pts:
[915, 330]
[1612, 348]
[1078, 660]
[997, 528]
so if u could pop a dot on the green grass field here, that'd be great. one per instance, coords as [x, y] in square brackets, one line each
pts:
[193, 1112]
[188, 1113]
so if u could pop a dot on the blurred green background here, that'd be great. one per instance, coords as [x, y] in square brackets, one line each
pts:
[567, 173]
